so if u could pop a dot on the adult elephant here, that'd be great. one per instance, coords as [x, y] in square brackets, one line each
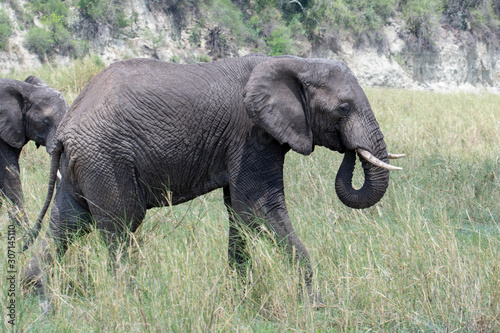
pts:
[142, 127]
[29, 110]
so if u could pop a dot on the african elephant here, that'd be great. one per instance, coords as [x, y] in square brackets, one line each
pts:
[29, 110]
[143, 126]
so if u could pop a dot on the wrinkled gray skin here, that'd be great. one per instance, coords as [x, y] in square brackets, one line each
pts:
[29, 110]
[142, 126]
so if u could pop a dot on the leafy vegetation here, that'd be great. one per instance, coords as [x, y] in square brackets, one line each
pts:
[40, 41]
[481, 16]
[5, 30]
[54, 34]
[421, 19]
[270, 26]
[102, 13]
[226, 27]
[281, 26]
[179, 9]
[425, 259]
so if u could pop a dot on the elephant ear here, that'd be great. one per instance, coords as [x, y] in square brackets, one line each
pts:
[275, 99]
[11, 117]
[36, 81]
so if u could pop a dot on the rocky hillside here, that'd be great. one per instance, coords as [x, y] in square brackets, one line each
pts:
[387, 48]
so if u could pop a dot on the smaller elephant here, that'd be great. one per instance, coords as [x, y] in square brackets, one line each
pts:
[29, 110]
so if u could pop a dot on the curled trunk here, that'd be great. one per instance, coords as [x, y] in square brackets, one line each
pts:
[373, 189]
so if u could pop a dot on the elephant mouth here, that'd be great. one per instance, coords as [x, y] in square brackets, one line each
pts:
[39, 141]
[376, 162]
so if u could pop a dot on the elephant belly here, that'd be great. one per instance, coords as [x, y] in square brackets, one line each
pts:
[173, 190]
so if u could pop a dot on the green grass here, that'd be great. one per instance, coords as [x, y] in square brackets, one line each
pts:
[425, 259]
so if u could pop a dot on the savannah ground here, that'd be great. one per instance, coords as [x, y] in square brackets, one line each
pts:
[426, 258]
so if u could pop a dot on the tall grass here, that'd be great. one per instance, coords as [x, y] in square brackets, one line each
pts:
[425, 259]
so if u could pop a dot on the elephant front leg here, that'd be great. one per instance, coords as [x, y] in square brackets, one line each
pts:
[12, 190]
[257, 194]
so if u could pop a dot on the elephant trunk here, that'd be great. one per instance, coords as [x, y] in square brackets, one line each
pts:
[375, 184]
[30, 236]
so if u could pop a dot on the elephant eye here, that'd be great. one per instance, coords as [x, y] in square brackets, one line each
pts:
[344, 109]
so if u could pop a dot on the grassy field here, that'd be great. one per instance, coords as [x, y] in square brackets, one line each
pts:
[426, 258]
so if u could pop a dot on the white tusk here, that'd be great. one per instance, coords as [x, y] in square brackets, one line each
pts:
[375, 161]
[395, 156]
[59, 176]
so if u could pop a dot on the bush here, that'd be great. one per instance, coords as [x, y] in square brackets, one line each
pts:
[280, 41]
[40, 41]
[179, 9]
[480, 16]
[54, 36]
[50, 7]
[5, 30]
[459, 12]
[421, 21]
[103, 13]
[227, 28]
[175, 59]
[227, 16]
[95, 11]
[19, 11]
[485, 22]
[362, 19]
[204, 58]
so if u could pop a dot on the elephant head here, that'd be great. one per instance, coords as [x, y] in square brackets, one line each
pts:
[29, 110]
[308, 102]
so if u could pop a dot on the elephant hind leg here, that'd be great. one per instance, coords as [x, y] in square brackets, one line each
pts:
[117, 218]
[115, 232]
[11, 188]
[68, 219]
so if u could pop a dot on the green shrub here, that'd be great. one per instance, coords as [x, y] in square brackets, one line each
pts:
[175, 59]
[459, 12]
[122, 21]
[204, 58]
[280, 41]
[95, 11]
[40, 41]
[362, 19]
[103, 13]
[19, 11]
[227, 28]
[195, 36]
[227, 16]
[264, 21]
[480, 16]
[179, 9]
[59, 8]
[421, 18]
[5, 30]
[485, 21]
[55, 35]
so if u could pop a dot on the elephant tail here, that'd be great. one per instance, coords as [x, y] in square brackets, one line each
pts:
[30, 236]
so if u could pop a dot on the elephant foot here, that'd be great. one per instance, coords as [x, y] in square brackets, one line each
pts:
[32, 282]
[33, 285]
[33, 275]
